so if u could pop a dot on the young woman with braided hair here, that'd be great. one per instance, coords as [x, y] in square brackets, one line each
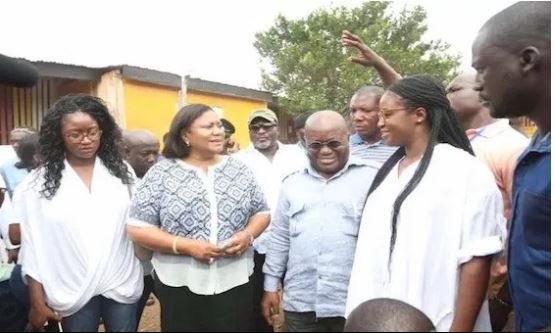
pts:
[433, 216]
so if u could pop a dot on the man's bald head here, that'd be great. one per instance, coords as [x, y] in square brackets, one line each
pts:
[465, 101]
[374, 91]
[139, 137]
[142, 149]
[326, 120]
[466, 77]
[512, 54]
[327, 140]
[524, 23]
[387, 315]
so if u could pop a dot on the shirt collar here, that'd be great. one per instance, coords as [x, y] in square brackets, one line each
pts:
[251, 148]
[491, 130]
[539, 144]
[356, 139]
[353, 161]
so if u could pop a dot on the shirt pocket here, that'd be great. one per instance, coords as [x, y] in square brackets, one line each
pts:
[536, 215]
[295, 222]
[351, 213]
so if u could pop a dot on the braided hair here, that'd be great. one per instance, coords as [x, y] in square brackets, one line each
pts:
[426, 92]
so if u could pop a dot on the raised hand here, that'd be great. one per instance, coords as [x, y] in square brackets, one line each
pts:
[366, 56]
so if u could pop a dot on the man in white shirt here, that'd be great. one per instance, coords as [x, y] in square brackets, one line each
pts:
[270, 161]
[142, 149]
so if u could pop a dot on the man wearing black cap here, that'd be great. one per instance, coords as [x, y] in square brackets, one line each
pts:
[230, 145]
[270, 161]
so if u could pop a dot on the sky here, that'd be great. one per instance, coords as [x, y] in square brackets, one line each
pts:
[207, 39]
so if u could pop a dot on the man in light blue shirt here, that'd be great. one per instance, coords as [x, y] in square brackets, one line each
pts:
[315, 230]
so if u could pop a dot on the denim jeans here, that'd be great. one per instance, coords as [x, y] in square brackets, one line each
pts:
[18, 287]
[117, 317]
[13, 315]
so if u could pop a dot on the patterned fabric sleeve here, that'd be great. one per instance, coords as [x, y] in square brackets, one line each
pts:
[145, 206]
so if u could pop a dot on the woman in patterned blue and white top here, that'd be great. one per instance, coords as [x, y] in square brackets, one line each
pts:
[200, 212]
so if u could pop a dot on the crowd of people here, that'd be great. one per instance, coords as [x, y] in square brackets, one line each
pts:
[424, 211]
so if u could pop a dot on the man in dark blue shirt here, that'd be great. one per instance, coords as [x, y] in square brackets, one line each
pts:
[512, 55]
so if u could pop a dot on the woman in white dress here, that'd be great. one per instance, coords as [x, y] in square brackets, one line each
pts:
[433, 217]
[76, 256]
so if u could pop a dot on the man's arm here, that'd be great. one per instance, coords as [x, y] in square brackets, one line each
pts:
[367, 57]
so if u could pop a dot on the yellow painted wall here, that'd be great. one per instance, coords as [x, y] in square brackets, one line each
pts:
[235, 109]
[149, 107]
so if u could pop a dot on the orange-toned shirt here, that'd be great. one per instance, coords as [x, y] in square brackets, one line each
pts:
[498, 145]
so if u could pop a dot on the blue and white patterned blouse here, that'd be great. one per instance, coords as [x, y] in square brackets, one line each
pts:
[212, 206]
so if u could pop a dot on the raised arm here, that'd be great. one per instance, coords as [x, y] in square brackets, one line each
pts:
[367, 57]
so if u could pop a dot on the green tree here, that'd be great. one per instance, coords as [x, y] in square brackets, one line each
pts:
[310, 68]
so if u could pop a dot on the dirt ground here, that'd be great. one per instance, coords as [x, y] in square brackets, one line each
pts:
[150, 321]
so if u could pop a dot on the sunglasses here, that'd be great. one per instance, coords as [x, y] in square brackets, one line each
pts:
[317, 146]
[258, 127]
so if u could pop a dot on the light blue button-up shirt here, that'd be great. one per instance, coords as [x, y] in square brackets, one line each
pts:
[313, 238]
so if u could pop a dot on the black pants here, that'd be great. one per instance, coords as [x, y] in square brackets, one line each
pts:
[260, 323]
[149, 288]
[307, 322]
[184, 311]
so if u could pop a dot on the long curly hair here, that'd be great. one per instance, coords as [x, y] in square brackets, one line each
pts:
[52, 148]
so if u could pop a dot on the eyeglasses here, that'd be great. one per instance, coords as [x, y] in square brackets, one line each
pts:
[265, 127]
[317, 146]
[388, 113]
[78, 136]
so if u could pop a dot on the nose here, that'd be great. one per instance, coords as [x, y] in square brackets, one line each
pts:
[381, 122]
[218, 131]
[478, 83]
[151, 158]
[326, 150]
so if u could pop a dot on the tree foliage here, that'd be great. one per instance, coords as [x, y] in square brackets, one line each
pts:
[310, 69]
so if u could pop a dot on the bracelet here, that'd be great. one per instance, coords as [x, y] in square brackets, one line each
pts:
[174, 245]
[251, 237]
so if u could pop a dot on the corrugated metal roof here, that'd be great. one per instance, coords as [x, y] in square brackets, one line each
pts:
[167, 79]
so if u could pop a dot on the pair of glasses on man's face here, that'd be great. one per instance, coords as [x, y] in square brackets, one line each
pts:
[317, 146]
[258, 127]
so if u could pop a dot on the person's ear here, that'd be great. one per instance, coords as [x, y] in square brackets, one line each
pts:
[529, 58]
[421, 115]
[185, 138]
